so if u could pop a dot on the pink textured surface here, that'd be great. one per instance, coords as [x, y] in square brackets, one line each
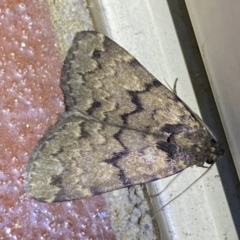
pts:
[30, 102]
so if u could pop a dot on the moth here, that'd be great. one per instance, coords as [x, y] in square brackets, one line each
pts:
[121, 127]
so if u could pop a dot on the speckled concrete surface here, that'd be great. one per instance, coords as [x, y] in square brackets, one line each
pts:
[131, 214]
[68, 17]
[31, 100]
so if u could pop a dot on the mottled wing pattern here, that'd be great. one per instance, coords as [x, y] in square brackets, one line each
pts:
[121, 127]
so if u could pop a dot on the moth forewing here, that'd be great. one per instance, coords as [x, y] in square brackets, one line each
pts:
[121, 127]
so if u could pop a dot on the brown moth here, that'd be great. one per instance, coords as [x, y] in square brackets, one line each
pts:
[121, 127]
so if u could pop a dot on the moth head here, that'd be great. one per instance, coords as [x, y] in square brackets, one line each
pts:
[196, 145]
[215, 151]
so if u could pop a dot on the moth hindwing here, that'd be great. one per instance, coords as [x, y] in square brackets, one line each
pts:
[121, 127]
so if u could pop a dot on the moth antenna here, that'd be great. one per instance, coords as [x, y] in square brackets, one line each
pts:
[174, 88]
[182, 191]
[155, 195]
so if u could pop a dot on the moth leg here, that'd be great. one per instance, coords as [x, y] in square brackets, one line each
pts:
[175, 86]
[174, 89]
